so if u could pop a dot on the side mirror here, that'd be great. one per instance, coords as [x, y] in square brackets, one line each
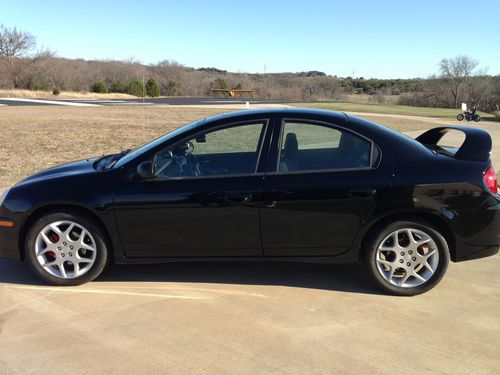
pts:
[145, 170]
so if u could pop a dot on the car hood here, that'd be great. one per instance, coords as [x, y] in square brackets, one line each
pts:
[63, 170]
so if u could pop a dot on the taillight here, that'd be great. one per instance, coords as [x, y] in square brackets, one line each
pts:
[490, 180]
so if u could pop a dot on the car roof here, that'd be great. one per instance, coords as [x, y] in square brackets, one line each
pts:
[282, 111]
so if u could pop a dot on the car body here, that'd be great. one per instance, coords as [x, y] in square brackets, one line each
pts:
[275, 184]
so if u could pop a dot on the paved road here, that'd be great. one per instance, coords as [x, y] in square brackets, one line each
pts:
[146, 101]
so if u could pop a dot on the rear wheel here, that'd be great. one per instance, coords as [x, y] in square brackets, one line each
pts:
[66, 249]
[477, 118]
[407, 257]
[460, 117]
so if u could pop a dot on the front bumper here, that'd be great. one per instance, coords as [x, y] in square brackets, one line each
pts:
[9, 246]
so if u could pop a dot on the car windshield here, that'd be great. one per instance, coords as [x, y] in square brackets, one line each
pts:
[149, 146]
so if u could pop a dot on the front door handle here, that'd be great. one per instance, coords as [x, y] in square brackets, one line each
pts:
[239, 198]
[362, 192]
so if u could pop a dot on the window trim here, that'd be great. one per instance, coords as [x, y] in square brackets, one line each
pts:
[262, 138]
[328, 125]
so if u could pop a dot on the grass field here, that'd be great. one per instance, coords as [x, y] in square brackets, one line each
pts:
[16, 93]
[392, 109]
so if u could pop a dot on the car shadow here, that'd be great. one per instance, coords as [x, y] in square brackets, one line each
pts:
[345, 278]
[342, 278]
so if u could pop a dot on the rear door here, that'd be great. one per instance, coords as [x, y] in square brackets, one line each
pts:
[324, 180]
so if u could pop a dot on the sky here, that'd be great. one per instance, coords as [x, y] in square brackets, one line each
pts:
[360, 38]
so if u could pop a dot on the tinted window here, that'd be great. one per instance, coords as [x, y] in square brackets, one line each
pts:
[308, 147]
[227, 151]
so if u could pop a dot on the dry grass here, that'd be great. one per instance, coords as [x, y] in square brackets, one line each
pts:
[35, 138]
[63, 95]
[401, 125]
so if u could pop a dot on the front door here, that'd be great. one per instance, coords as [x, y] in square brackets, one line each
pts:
[204, 199]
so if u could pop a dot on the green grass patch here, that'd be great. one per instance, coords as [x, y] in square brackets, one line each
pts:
[391, 109]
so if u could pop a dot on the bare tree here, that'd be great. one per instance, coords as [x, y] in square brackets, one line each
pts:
[478, 89]
[457, 71]
[18, 52]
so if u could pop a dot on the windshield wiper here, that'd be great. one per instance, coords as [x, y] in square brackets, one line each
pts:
[112, 161]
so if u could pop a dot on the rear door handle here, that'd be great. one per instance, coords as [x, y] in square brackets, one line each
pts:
[362, 192]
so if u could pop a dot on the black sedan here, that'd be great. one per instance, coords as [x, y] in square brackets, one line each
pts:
[287, 184]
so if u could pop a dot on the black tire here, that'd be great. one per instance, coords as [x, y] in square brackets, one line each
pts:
[101, 257]
[477, 118]
[460, 117]
[375, 239]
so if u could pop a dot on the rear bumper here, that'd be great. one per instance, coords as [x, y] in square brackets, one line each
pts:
[480, 237]
[476, 252]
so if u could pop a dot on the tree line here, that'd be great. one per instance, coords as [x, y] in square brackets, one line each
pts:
[23, 65]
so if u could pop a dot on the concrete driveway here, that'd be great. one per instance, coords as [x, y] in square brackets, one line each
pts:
[234, 318]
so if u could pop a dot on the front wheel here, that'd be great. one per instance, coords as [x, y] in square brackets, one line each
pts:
[66, 248]
[460, 117]
[477, 118]
[407, 257]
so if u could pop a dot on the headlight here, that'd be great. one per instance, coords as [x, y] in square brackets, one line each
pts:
[4, 195]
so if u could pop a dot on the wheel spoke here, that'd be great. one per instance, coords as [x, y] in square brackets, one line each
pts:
[387, 248]
[418, 276]
[55, 228]
[46, 239]
[405, 278]
[385, 262]
[85, 246]
[50, 264]
[409, 233]
[423, 241]
[62, 270]
[429, 254]
[85, 260]
[67, 232]
[76, 268]
[43, 251]
[427, 265]
[391, 273]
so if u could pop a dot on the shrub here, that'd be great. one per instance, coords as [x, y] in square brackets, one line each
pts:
[118, 86]
[37, 82]
[220, 83]
[99, 87]
[136, 88]
[56, 90]
[170, 89]
[152, 88]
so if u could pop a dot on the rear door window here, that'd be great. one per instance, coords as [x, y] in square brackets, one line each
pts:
[312, 146]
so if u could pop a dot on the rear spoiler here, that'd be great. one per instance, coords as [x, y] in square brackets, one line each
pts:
[476, 146]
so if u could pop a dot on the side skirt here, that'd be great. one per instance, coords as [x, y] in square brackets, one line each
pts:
[348, 257]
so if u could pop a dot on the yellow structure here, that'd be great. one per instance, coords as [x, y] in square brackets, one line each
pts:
[232, 93]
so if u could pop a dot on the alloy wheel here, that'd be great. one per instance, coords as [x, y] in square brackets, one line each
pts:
[65, 249]
[407, 258]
